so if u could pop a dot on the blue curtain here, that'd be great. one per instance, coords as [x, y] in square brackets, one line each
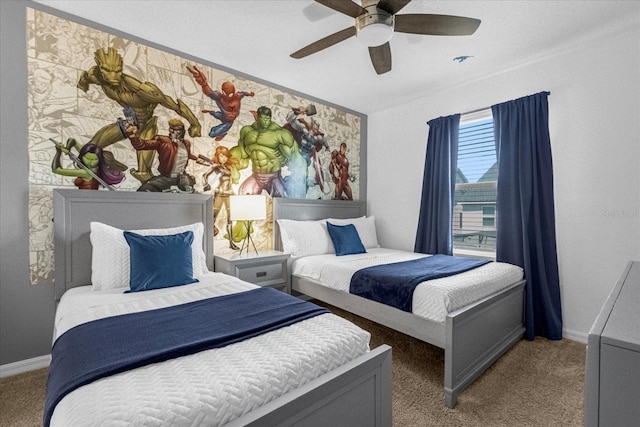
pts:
[526, 233]
[438, 186]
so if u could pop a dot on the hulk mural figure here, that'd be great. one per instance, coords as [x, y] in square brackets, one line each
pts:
[268, 147]
[142, 97]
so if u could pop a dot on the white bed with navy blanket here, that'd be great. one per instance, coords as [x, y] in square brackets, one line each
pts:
[475, 316]
[433, 299]
[211, 387]
[262, 364]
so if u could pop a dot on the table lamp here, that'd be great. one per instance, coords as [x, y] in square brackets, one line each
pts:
[248, 208]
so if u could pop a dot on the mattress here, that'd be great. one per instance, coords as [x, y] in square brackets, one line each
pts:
[212, 387]
[432, 299]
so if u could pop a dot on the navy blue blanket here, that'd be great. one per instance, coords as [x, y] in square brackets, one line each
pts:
[393, 284]
[116, 344]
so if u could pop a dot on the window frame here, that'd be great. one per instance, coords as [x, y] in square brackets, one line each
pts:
[457, 215]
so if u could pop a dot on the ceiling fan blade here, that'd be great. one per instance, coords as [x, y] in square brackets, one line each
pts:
[344, 6]
[381, 58]
[436, 25]
[392, 6]
[324, 43]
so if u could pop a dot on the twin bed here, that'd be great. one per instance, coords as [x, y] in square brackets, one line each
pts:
[314, 371]
[475, 316]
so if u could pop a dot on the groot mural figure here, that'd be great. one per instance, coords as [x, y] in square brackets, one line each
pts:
[141, 97]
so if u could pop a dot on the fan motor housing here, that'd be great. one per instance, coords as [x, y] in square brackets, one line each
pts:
[375, 16]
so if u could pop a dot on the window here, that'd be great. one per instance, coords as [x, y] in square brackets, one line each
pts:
[474, 210]
[488, 216]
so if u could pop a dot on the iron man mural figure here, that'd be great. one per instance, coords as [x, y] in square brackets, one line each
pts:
[339, 170]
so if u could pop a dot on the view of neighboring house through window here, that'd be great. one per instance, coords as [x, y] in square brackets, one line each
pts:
[474, 210]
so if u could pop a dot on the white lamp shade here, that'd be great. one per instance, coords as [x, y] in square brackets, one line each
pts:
[248, 208]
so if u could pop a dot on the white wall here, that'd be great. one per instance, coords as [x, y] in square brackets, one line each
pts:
[595, 135]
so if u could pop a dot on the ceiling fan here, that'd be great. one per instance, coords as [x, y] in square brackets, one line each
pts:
[375, 22]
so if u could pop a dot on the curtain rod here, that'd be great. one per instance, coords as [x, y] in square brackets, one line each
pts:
[488, 108]
[475, 111]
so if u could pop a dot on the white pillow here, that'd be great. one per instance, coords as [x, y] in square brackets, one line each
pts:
[366, 227]
[304, 238]
[110, 256]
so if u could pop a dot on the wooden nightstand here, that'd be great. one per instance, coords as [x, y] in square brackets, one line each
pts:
[267, 268]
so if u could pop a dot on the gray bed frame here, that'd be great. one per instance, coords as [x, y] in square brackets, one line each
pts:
[473, 338]
[356, 394]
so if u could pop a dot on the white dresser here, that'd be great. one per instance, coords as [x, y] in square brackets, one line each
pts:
[612, 382]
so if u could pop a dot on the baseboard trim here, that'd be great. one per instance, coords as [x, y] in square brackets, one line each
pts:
[23, 366]
[575, 336]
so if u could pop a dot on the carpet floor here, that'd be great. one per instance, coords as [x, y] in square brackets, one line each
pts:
[536, 383]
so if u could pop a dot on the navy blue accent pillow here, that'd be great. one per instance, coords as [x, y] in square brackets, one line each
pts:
[346, 239]
[159, 261]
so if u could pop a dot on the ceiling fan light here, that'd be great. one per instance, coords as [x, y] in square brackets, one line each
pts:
[375, 34]
[374, 28]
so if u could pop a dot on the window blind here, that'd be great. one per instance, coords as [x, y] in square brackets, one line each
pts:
[474, 218]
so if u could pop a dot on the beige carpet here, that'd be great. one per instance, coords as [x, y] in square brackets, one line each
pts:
[537, 383]
[22, 399]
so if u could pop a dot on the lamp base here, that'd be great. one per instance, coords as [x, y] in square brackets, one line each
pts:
[247, 239]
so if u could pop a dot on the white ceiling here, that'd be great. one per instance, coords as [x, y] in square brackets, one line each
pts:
[256, 38]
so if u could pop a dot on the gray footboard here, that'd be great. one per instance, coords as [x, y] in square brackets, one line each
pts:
[473, 338]
[478, 335]
[356, 394]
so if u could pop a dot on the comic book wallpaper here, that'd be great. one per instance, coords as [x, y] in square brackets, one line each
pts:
[107, 113]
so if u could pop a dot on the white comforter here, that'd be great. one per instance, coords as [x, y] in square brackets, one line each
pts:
[433, 299]
[208, 388]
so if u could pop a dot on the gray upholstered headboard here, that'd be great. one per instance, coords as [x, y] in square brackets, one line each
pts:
[74, 210]
[307, 210]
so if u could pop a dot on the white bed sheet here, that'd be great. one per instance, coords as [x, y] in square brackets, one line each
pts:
[209, 388]
[432, 299]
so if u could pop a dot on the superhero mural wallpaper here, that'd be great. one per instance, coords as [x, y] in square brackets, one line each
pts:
[110, 114]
